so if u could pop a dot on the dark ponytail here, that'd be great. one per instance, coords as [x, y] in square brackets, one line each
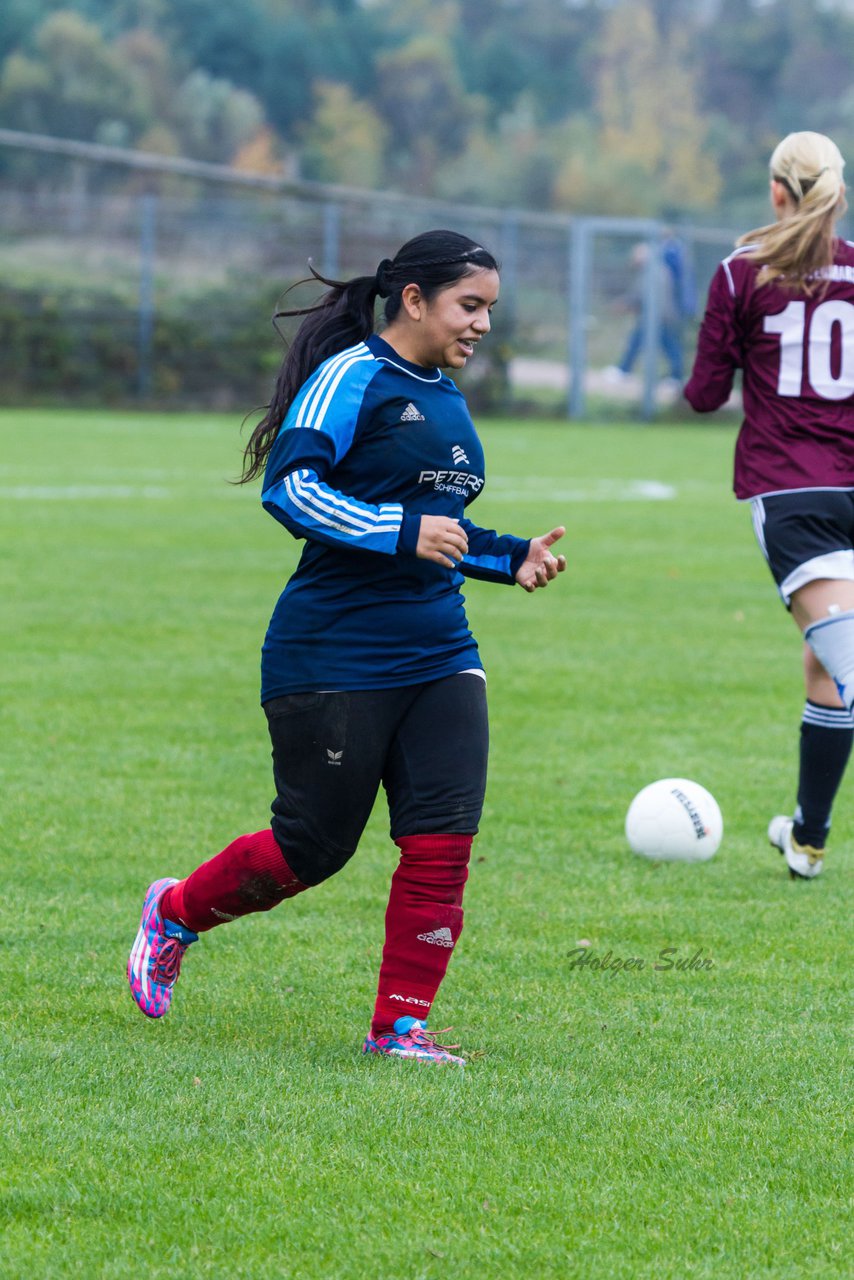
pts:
[344, 316]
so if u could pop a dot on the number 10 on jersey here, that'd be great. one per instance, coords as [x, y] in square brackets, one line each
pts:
[800, 336]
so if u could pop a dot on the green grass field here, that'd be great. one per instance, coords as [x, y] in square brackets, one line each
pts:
[653, 1123]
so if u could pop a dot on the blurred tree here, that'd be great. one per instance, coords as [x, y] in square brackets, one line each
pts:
[212, 118]
[421, 99]
[277, 49]
[261, 153]
[229, 41]
[18, 18]
[818, 68]
[511, 165]
[649, 153]
[345, 139]
[496, 66]
[768, 70]
[72, 85]
[160, 140]
[620, 105]
[401, 18]
[589, 180]
[25, 86]
[743, 52]
[688, 171]
[836, 117]
[536, 47]
[148, 66]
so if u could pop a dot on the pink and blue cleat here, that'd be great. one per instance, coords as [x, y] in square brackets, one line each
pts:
[155, 959]
[411, 1039]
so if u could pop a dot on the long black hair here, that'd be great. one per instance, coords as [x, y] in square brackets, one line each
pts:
[344, 316]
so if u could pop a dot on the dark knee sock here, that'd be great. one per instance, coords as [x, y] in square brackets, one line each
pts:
[826, 737]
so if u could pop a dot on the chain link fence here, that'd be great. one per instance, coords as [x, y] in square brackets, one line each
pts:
[166, 299]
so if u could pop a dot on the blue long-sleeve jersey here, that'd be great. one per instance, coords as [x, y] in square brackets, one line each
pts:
[370, 444]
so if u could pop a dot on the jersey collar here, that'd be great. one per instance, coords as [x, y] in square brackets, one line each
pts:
[384, 352]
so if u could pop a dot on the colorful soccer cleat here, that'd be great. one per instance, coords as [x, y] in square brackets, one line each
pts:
[155, 959]
[804, 862]
[411, 1039]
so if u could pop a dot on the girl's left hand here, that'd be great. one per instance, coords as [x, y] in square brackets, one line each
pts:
[540, 566]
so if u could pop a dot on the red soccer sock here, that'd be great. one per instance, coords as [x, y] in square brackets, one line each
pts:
[423, 921]
[249, 875]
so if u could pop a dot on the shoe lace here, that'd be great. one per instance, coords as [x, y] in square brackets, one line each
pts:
[167, 964]
[424, 1037]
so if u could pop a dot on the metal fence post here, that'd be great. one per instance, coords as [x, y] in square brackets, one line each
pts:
[331, 239]
[579, 271]
[145, 319]
[510, 267]
[77, 198]
[651, 322]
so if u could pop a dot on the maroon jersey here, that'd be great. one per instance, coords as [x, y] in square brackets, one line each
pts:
[797, 354]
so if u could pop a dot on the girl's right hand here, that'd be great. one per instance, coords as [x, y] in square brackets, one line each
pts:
[441, 540]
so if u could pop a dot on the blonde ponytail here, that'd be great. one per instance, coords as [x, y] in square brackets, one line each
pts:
[809, 166]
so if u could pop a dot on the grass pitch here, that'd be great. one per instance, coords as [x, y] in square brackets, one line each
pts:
[655, 1122]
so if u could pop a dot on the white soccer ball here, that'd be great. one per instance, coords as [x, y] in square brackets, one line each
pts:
[674, 820]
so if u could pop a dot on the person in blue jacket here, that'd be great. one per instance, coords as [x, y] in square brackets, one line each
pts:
[370, 675]
[677, 303]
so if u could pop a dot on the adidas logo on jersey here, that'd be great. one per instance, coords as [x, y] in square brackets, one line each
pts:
[411, 414]
[438, 937]
[333, 757]
[459, 454]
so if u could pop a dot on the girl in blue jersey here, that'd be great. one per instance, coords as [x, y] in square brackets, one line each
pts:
[370, 675]
[782, 308]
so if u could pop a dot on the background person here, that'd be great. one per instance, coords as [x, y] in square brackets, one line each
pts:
[676, 302]
[782, 309]
[369, 671]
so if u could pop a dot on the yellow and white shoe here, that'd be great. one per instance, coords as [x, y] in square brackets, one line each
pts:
[804, 862]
